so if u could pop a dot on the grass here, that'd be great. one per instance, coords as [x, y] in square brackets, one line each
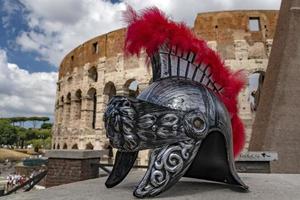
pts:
[11, 155]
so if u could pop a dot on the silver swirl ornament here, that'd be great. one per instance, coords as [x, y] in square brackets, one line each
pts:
[167, 165]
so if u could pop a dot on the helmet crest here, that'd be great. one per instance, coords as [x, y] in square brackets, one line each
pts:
[151, 30]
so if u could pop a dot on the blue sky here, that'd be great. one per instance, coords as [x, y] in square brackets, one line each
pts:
[13, 23]
[36, 34]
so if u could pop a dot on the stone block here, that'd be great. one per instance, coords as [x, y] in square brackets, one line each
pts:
[67, 166]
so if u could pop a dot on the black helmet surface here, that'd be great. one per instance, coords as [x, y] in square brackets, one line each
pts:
[187, 116]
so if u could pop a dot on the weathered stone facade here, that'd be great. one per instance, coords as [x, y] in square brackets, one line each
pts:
[96, 70]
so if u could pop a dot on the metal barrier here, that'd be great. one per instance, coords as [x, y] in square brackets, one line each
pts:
[30, 182]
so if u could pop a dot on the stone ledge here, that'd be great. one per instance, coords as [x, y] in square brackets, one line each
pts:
[262, 186]
[75, 154]
[258, 156]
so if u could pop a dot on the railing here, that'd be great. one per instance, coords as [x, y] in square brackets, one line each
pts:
[30, 183]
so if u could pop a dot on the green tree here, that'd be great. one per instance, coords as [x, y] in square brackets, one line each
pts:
[39, 138]
[30, 134]
[22, 134]
[41, 143]
[22, 120]
[46, 126]
[42, 133]
[37, 119]
[37, 144]
[11, 133]
[8, 133]
[47, 143]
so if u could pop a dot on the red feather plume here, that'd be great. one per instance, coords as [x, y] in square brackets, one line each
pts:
[150, 29]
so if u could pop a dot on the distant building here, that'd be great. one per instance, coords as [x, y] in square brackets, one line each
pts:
[96, 70]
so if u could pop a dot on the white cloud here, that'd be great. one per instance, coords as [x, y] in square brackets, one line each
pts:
[187, 10]
[9, 8]
[23, 93]
[58, 26]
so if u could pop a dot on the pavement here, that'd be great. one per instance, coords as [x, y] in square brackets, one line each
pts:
[262, 187]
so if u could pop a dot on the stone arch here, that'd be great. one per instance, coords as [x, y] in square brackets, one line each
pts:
[53, 147]
[89, 146]
[67, 108]
[57, 120]
[109, 91]
[75, 146]
[68, 99]
[255, 83]
[58, 86]
[131, 88]
[61, 111]
[93, 74]
[92, 107]
[65, 146]
[57, 146]
[70, 80]
[77, 104]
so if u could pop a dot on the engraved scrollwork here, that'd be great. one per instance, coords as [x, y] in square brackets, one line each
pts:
[146, 121]
[131, 129]
[168, 164]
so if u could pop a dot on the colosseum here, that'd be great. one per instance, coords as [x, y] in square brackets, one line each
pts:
[97, 70]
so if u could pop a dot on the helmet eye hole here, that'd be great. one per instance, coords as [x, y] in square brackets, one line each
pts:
[198, 123]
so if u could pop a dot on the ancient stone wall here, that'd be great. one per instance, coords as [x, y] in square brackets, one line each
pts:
[253, 28]
[96, 70]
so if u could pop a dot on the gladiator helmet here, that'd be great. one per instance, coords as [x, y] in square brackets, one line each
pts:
[187, 116]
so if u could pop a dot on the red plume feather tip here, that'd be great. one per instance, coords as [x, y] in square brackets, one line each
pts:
[150, 29]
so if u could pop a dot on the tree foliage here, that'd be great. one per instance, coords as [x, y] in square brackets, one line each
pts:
[41, 143]
[46, 126]
[21, 120]
[10, 134]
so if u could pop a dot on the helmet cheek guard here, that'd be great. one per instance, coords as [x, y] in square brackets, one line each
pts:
[186, 115]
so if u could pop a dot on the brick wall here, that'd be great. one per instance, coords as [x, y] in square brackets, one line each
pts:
[62, 171]
[67, 170]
